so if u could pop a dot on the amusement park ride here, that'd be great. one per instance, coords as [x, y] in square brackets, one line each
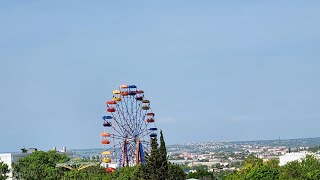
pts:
[128, 128]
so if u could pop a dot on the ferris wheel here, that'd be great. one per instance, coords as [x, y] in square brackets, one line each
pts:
[128, 127]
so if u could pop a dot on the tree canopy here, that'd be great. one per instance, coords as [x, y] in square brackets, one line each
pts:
[255, 169]
[41, 165]
[157, 166]
[4, 170]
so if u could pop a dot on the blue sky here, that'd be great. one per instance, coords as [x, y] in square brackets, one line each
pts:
[213, 70]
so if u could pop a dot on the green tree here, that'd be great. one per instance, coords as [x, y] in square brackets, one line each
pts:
[222, 174]
[308, 168]
[314, 149]
[151, 170]
[24, 150]
[75, 174]
[164, 157]
[201, 173]
[39, 165]
[89, 173]
[4, 170]
[96, 169]
[252, 161]
[93, 158]
[157, 166]
[128, 173]
[175, 172]
[255, 169]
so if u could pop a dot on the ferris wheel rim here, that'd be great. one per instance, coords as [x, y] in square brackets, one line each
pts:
[128, 113]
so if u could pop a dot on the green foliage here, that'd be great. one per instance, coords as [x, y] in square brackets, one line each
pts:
[185, 167]
[151, 170]
[221, 175]
[97, 169]
[4, 169]
[24, 150]
[201, 173]
[127, 173]
[75, 174]
[164, 157]
[175, 172]
[94, 173]
[308, 168]
[314, 148]
[254, 169]
[157, 166]
[252, 161]
[42, 166]
[39, 165]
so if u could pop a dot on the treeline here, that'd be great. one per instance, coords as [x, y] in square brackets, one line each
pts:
[43, 166]
[255, 169]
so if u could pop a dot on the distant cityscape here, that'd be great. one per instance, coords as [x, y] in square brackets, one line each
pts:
[217, 157]
[229, 155]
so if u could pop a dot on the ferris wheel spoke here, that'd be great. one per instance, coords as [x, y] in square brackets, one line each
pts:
[119, 110]
[113, 126]
[119, 117]
[123, 118]
[122, 125]
[143, 126]
[146, 142]
[116, 153]
[142, 115]
[141, 123]
[144, 133]
[131, 113]
[145, 146]
[115, 117]
[131, 151]
[118, 137]
[136, 114]
[127, 109]
[114, 147]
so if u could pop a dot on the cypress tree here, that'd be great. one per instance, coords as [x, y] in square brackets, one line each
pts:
[151, 170]
[164, 158]
[157, 166]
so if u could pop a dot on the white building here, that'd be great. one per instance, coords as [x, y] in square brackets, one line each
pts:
[288, 157]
